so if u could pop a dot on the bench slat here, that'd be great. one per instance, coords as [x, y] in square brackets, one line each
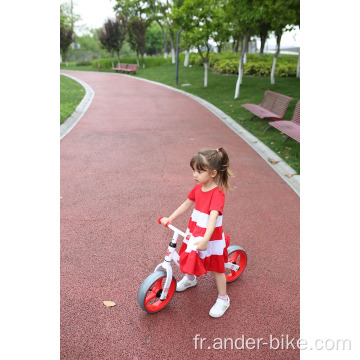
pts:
[290, 128]
[276, 104]
[261, 112]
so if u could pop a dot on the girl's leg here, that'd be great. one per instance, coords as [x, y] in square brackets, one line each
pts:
[223, 301]
[220, 281]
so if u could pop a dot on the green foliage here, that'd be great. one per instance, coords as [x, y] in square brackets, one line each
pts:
[83, 63]
[155, 39]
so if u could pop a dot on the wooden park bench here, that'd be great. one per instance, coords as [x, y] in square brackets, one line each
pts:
[290, 128]
[119, 67]
[125, 68]
[273, 106]
[131, 68]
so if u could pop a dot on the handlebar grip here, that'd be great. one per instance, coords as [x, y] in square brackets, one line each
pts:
[159, 221]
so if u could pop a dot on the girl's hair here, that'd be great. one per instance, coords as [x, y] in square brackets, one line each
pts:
[213, 159]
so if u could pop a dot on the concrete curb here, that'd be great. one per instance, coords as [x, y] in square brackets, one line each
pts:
[270, 157]
[75, 117]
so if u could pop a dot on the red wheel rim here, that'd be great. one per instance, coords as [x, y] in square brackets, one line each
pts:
[152, 300]
[238, 257]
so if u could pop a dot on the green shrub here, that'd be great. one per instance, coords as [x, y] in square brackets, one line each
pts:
[104, 63]
[257, 68]
[228, 63]
[227, 66]
[285, 70]
[83, 63]
[149, 62]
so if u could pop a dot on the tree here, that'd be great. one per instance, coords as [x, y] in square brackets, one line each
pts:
[66, 38]
[112, 35]
[199, 21]
[161, 12]
[66, 31]
[157, 15]
[222, 32]
[132, 8]
[137, 37]
[68, 16]
[283, 15]
[243, 15]
[154, 39]
[263, 32]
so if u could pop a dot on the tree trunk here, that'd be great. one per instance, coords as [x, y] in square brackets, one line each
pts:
[246, 49]
[263, 37]
[205, 74]
[172, 45]
[137, 59]
[278, 40]
[236, 47]
[205, 63]
[219, 48]
[187, 56]
[298, 68]
[165, 39]
[241, 64]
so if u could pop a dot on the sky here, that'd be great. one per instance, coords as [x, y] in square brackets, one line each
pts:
[94, 13]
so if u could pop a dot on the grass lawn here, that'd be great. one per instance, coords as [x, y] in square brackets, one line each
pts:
[220, 92]
[71, 94]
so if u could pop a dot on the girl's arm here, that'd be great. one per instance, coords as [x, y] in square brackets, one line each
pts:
[202, 243]
[180, 210]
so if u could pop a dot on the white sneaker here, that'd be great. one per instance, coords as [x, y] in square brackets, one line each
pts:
[219, 308]
[185, 283]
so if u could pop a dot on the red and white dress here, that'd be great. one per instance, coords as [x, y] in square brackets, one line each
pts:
[198, 262]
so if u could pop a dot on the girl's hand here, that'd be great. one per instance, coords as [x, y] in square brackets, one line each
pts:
[201, 243]
[165, 220]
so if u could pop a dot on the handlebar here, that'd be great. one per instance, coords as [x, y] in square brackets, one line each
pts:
[173, 228]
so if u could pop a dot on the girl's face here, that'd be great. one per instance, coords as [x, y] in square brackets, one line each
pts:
[203, 177]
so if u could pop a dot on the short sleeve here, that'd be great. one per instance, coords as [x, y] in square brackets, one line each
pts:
[191, 195]
[217, 201]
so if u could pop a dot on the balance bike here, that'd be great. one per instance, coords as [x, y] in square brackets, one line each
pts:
[158, 288]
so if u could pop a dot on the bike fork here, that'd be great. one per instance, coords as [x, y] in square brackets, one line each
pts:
[171, 255]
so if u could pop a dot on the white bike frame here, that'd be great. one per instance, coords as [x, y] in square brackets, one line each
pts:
[172, 255]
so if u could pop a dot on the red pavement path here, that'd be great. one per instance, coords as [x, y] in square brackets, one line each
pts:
[124, 165]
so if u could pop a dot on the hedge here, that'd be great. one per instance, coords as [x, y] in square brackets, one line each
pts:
[228, 63]
[149, 62]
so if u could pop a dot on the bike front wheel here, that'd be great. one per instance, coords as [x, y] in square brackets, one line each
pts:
[151, 290]
[237, 255]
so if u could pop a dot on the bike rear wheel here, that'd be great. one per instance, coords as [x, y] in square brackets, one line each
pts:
[237, 255]
[151, 290]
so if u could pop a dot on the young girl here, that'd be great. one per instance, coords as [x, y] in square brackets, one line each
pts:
[209, 250]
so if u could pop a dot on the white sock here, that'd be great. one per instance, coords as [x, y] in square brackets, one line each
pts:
[223, 297]
[190, 277]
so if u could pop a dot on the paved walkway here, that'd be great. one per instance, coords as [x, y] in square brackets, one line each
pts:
[122, 166]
